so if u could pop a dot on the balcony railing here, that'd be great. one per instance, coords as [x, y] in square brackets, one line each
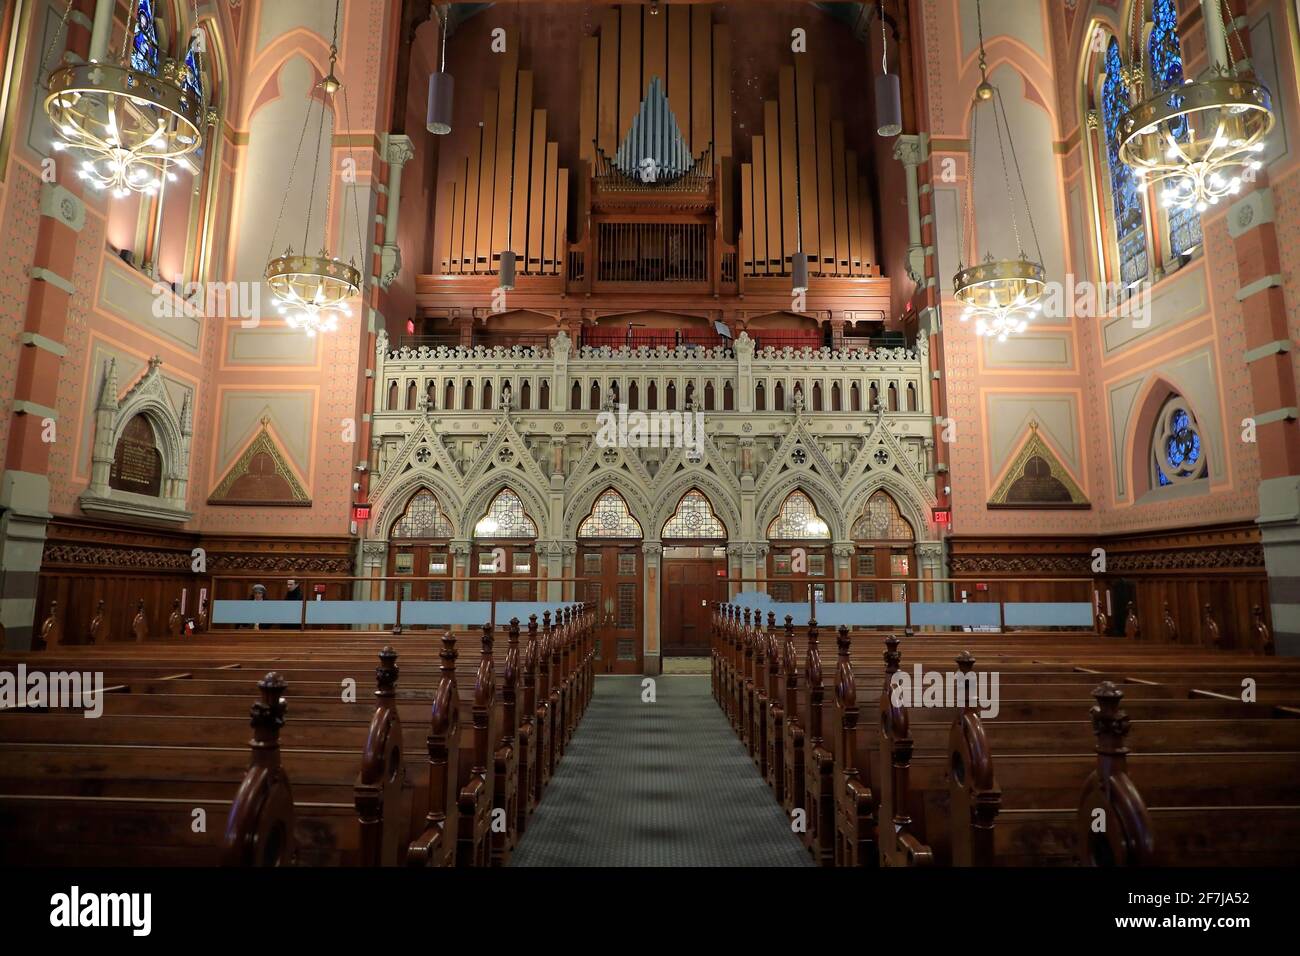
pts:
[634, 338]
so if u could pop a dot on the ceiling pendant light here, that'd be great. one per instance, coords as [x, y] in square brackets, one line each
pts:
[1197, 138]
[312, 292]
[889, 99]
[131, 118]
[1002, 295]
[441, 87]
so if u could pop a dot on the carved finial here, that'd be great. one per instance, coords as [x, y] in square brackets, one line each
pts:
[1109, 722]
[386, 673]
[842, 640]
[448, 656]
[892, 654]
[267, 715]
[965, 662]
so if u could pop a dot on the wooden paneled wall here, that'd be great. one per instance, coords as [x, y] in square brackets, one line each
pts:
[509, 192]
[683, 47]
[803, 188]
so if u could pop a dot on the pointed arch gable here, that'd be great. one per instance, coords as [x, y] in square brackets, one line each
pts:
[694, 517]
[506, 516]
[1036, 478]
[423, 517]
[261, 475]
[583, 497]
[914, 508]
[480, 499]
[610, 517]
[398, 495]
[821, 499]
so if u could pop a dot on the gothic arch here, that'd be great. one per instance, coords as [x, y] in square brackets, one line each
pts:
[582, 498]
[393, 503]
[720, 499]
[909, 501]
[823, 496]
[480, 497]
[1155, 392]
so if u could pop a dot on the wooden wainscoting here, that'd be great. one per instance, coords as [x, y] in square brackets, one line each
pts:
[86, 561]
[1222, 566]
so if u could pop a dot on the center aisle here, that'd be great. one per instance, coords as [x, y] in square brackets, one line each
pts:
[657, 784]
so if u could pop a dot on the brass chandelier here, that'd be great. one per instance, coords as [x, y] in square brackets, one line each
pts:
[1002, 295]
[132, 117]
[312, 292]
[1201, 138]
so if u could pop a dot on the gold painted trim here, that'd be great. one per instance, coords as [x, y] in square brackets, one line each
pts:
[1034, 445]
[263, 443]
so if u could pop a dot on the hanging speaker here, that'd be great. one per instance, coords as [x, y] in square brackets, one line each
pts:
[889, 105]
[441, 86]
[506, 274]
[799, 272]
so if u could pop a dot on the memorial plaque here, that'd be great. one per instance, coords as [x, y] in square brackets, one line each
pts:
[137, 465]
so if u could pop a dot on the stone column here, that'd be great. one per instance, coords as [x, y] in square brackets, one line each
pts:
[460, 556]
[843, 552]
[653, 554]
[398, 151]
[930, 564]
[374, 564]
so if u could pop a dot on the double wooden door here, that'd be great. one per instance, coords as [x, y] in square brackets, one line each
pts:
[800, 572]
[610, 578]
[420, 559]
[689, 586]
[882, 563]
[501, 570]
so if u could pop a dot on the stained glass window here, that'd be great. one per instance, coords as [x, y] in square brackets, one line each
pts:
[882, 521]
[798, 521]
[423, 518]
[1164, 52]
[694, 518]
[1176, 452]
[506, 518]
[1126, 196]
[609, 518]
[191, 77]
[144, 39]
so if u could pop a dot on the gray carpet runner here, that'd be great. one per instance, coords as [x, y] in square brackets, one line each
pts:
[657, 784]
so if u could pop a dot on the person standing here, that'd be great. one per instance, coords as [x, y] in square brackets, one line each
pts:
[259, 594]
[294, 593]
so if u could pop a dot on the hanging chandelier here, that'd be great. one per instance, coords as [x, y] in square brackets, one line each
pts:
[1198, 139]
[312, 292]
[131, 118]
[1002, 295]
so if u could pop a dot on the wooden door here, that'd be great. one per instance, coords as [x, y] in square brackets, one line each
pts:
[610, 576]
[498, 568]
[689, 584]
[797, 570]
[876, 566]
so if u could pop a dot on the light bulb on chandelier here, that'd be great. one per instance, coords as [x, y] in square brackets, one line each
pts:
[131, 119]
[1199, 140]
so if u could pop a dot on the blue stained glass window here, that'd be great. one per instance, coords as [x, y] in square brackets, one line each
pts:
[192, 80]
[144, 39]
[1126, 197]
[1164, 50]
[1177, 445]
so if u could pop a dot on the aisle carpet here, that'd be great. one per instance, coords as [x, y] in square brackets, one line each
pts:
[657, 784]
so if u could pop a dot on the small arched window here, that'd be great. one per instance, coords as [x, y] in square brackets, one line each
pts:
[836, 405]
[798, 521]
[760, 398]
[670, 397]
[817, 397]
[911, 397]
[469, 396]
[595, 396]
[487, 395]
[410, 396]
[392, 396]
[449, 397]
[575, 397]
[778, 397]
[708, 396]
[525, 396]
[728, 398]
[544, 396]
[633, 396]
[652, 397]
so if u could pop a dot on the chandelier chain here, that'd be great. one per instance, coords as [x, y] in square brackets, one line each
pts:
[1225, 11]
[54, 41]
[1024, 195]
[884, 40]
[288, 187]
[315, 178]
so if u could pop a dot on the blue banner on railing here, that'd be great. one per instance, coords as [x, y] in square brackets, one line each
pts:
[382, 614]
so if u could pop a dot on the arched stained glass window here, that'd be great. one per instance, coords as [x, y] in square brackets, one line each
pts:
[423, 518]
[882, 520]
[694, 518]
[798, 521]
[1165, 54]
[1177, 455]
[609, 518]
[506, 518]
[1126, 197]
[144, 39]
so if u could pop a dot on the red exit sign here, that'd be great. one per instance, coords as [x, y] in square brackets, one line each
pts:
[361, 512]
[943, 516]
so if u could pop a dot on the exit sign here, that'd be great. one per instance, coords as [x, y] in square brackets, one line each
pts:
[361, 512]
[942, 516]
